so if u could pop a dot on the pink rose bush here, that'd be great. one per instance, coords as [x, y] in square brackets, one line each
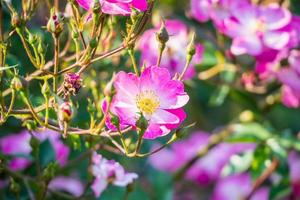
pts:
[115, 7]
[109, 172]
[153, 95]
[174, 56]
[100, 81]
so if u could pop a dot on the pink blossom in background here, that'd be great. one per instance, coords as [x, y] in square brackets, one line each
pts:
[174, 56]
[290, 78]
[269, 63]
[116, 7]
[61, 150]
[17, 145]
[109, 172]
[256, 28]
[206, 169]
[238, 187]
[216, 10]
[67, 184]
[294, 164]
[154, 94]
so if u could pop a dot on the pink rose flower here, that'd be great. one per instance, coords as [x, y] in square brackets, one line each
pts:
[109, 172]
[116, 7]
[238, 187]
[154, 94]
[206, 169]
[174, 55]
[256, 28]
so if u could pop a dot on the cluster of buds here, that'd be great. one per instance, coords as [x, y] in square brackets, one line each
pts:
[55, 23]
[72, 84]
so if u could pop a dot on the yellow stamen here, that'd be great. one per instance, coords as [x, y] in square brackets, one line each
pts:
[147, 102]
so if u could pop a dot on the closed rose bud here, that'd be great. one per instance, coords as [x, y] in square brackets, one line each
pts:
[17, 83]
[191, 49]
[142, 123]
[65, 112]
[15, 20]
[46, 91]
[55, 23]
[162, 35]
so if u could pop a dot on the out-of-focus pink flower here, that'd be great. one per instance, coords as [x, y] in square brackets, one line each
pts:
[116, 7]
[109, 172]
[268, 63]
[216, 10]
[237, 187]
[294, 164]
[67, 184]
[17, 145]
[61, 150]
[290, 77]
[174, 56]
[206, 169]
[154, 94]
[256, 28]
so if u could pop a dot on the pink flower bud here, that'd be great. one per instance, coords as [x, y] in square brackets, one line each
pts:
[55, 23]
[65, 112]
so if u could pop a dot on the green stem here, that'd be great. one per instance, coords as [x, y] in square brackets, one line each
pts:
[187, 64]
[56, 62]
[12, 103]
[133, 60]
[47, 111]
[123, 140]
[27, 48]
[161, 50]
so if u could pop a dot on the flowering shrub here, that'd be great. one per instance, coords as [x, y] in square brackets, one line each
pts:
[148, 99]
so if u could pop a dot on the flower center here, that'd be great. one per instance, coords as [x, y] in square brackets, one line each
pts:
[259, 27]
[147, 102]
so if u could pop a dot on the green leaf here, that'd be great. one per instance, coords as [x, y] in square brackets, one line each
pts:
[277, 149]
[261, 159]
[238, 164]
[46, 154]
[219, 96]
[280, 190]
[250, 132]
